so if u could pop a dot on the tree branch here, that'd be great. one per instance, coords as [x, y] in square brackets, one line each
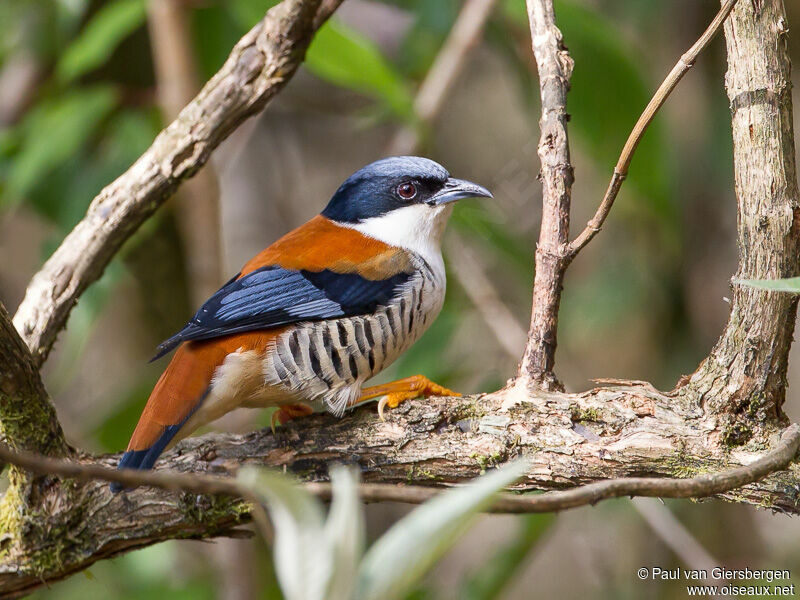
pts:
[257, 68]
[685, 63]
[555, 69]
[570, 440]
[554, 254]
[440, 78]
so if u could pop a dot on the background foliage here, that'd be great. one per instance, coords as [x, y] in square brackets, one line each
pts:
[78, 104]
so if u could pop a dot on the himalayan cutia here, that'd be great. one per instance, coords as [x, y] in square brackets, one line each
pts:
[309, 320]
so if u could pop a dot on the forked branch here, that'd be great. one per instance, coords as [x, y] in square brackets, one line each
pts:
[554, 253]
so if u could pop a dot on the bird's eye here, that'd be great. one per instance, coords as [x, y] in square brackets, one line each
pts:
[407, 190]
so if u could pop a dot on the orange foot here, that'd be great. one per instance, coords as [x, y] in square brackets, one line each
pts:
[395, 392]
[288, 412]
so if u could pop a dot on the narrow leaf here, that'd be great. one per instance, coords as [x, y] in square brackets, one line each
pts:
[302, 560]
[344, 532]
[102, 34]
[345, 58]
[410, 548]
[790, 284]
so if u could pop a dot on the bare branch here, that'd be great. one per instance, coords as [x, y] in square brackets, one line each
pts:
[656, 102]
[555, 69]
[257, 68]
[439, 80]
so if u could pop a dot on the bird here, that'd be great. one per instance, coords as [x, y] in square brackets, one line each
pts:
[311, 318]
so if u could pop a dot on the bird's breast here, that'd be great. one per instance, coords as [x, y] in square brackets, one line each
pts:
[328, 361]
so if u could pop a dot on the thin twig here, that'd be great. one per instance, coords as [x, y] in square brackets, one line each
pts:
[701, 486]
[444, 71]
[656, 102]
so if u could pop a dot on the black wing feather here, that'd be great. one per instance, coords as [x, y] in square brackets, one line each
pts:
[273, 296]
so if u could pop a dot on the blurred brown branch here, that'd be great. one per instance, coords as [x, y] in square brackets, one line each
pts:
[446, 67]
[197, 201]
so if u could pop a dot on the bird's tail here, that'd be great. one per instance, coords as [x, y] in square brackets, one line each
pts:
[176, 396]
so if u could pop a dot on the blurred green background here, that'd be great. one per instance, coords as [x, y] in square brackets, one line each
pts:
[81, 98]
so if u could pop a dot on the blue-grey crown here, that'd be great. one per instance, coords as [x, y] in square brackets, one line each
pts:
[370, 191]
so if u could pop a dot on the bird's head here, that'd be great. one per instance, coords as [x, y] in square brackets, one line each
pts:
[402, 200]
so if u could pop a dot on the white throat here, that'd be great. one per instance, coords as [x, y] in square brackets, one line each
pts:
[417, 228]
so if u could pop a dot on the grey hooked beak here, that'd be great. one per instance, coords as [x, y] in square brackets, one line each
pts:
[456, 189]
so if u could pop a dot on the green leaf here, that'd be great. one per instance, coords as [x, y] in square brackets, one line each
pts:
[53, 132]
[102, 34]
[345, 533]
[302, 560]
[400, 558]
[790, 284]
[249, 12]
[346, 58]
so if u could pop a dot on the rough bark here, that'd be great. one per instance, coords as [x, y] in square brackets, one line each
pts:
[554, 66]
[620, 431]
[28, 419]
[258, 67]
[743, 380]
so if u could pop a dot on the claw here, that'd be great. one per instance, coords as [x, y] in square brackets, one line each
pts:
[393, 393]
[381, 405]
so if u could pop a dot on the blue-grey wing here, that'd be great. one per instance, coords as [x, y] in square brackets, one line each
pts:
[273, 296]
